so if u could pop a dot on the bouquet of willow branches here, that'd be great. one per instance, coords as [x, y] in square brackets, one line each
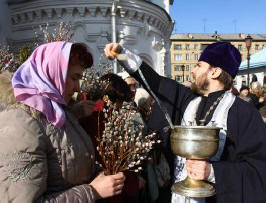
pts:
[61, 32]
[122, 145]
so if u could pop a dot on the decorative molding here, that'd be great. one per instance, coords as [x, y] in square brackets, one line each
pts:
[22, 17]
[131, 14]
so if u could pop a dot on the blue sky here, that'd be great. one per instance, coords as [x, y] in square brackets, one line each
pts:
[224, 16]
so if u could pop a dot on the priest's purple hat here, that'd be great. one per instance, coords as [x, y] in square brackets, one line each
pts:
[223, 55]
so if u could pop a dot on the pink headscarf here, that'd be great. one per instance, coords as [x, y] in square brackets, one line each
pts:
[40, 81]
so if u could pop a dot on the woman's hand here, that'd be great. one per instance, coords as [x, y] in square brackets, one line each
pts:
[107, 186]
[112, 50]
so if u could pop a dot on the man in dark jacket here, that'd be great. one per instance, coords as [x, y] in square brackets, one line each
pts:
[239, 174]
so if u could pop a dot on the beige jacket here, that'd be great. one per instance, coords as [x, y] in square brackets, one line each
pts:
[39, 163]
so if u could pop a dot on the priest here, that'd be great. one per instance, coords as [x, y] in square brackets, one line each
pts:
[238, 168]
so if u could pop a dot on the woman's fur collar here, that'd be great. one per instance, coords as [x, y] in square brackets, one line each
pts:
[7, 97]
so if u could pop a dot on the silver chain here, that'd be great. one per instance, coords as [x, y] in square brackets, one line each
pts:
[202, 122]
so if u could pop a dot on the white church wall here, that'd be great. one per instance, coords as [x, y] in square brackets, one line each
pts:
[4, 22]
[141, 26]
[162, 3]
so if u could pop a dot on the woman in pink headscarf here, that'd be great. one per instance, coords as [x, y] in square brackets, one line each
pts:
[45, 155]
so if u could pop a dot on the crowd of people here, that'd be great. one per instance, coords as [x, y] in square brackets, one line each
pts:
[48, 144]
[254, 94]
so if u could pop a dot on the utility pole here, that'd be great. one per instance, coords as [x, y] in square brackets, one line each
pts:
[204, 24]
[235, 23]
[114, 31]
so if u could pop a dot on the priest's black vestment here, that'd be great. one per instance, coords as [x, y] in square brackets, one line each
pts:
[240, 175]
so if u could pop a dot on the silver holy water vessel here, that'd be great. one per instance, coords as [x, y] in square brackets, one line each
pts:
[194, 142]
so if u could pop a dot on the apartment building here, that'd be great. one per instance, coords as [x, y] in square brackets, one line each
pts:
[187, 47]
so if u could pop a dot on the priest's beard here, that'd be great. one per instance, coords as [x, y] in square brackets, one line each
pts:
[201, 85]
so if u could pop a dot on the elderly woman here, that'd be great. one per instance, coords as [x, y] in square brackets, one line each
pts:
[45, 155]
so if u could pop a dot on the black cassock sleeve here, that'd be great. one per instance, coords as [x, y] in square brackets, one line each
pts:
[174, 97]
[241, 174]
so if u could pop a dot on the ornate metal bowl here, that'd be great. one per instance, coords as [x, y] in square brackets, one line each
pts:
[194, 142]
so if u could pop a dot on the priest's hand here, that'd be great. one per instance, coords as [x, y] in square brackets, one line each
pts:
[198, 169]
[112, 50]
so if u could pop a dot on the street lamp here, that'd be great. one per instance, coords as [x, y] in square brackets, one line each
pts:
[183, 70]
[248, 41]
